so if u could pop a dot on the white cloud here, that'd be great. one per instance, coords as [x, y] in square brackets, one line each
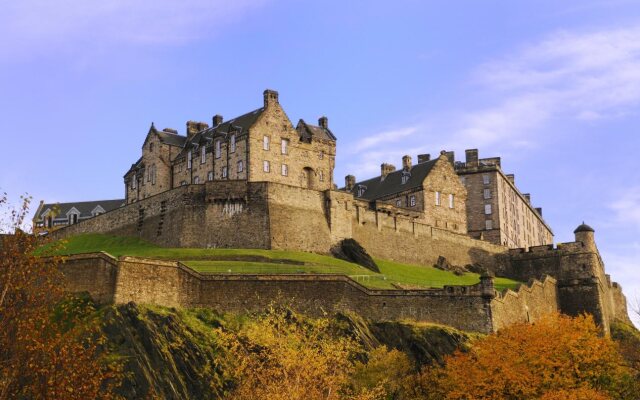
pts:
[627, 207]
[390, 136]
[41, 26]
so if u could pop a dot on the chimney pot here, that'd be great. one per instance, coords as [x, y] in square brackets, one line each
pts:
[323, 122]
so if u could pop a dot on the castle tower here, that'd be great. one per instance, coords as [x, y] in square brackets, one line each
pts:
[585, 234]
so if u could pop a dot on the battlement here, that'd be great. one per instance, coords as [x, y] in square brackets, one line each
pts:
[548, 249]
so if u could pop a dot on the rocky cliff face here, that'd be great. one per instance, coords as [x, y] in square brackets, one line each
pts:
[173, 354]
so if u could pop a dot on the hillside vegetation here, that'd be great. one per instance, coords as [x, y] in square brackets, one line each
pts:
[250, 261]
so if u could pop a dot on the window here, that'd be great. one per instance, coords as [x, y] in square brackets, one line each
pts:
[398, 203]
[73, 219]
[265, 166]
[488, 224]
[285, 170]
[203, 155]
[183, 183]
[153, 174]
[487, 209]
[487, 193]
[240, 166]
[405, 178]
[321, 155]
[321, 175]
[210, 175]
[412, 201]
[486, 179]
[224, 172]
[49, 222]
[265, 143]
[218, 151]
[463, 179]
[232, 143]
[134, 182]
[189, 159]
[196, 180]
[437, 198]
[361, 190]
[451, 201]
[284, 146]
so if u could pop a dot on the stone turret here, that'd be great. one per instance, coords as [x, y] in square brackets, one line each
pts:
[585, 234]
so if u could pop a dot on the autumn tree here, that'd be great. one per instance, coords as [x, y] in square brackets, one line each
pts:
[555, 357]
[49, 346]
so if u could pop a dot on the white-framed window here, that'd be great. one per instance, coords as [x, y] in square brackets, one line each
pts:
[240, 166]
[284, 146]
[196, 180]
[203, 155]
[405, 178]
[218, 149]
[265, 143]
[361, 190]
[437, 198]
[412, 200]
[266, 166]
[488, 224]
[134, 182]
[486, 193]
[210, 175]
[486, 179]
[487, 209]
[224, 172]
[285, 170]
[232, 143]
[451, 201]
[398, 203]
[189, 159]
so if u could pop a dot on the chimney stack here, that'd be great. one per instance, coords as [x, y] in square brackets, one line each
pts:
[385, 169]
[406, 163]
[422, 158]
[349, 182]
[511, 178]
[217, 119]
[323, 122]
[539, 211]
[270, 97]
[451, 157]
[527, 197]
[471, 157]
[194, 127]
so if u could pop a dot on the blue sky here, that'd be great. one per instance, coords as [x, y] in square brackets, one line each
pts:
[551, 87]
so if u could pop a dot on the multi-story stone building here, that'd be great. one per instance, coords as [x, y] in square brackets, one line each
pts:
[496, 210]
[429, 191]
[52, 216]
[259, 146]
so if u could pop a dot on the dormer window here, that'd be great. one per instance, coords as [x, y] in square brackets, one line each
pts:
[405, 176]
[73, 219]
[97, 211]
[361, 190]
[232, 143]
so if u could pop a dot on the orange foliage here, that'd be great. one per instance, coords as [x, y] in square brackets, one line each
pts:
[555, 356]
[41, 356]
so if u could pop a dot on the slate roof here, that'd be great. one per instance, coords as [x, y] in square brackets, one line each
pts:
[307, 131]
[583, 228]
[171, 139]
[85, 207]
[377, 188]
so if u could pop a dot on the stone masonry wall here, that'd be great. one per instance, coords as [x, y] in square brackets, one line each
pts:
[473, 308]
[527, 304]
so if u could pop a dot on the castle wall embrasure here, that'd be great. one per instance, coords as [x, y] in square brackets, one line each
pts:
[473, 308]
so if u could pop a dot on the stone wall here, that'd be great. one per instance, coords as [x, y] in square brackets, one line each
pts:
[526, 304]
[472, 308]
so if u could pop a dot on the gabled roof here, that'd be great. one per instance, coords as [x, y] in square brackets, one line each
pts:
[83, 207]
[377, 188]
[171, 139]
[308, 131]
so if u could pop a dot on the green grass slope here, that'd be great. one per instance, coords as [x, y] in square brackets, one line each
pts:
[251, 261]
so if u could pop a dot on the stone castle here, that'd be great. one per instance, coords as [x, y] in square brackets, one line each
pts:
[256, 181]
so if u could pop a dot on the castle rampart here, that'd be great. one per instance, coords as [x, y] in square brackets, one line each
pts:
[473, 308]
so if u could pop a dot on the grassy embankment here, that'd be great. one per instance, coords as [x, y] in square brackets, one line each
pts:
[275, 262]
